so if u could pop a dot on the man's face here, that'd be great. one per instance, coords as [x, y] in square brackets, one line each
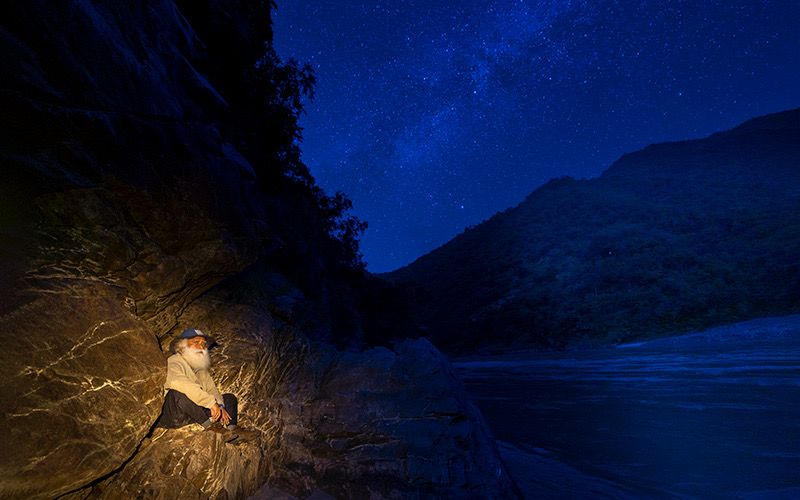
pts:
[197, 343]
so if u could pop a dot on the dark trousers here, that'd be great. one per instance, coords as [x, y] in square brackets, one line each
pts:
[179, 410]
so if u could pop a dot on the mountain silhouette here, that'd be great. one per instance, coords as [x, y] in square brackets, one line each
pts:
[674, 237]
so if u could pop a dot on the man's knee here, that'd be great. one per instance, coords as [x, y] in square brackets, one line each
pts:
[182, 400]
[180, 407]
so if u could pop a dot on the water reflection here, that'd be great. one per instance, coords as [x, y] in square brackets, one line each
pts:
[713, 415]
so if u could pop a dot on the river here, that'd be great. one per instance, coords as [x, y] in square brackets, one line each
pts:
[710, 415]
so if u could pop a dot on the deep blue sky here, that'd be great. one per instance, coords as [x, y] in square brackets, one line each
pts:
[433, 115]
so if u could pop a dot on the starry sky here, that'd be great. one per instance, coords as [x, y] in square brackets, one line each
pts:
[433, 115]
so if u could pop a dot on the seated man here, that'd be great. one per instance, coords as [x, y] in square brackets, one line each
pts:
[192, 396]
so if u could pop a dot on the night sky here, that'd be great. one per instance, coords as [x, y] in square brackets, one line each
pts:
[433, 115]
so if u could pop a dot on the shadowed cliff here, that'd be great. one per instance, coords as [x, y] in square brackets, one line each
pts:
[152, 182]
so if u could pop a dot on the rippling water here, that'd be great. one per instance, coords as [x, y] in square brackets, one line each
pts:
[710, 415]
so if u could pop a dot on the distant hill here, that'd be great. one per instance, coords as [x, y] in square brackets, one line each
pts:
[674, 237]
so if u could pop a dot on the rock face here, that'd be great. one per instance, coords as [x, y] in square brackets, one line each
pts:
[123, 207]
[376, 424]
[66, 360]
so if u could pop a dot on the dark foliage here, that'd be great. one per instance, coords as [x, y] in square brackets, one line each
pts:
[674, 237]
[265, 94]
[317, 247]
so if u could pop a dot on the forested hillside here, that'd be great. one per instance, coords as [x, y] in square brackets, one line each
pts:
[674, 237]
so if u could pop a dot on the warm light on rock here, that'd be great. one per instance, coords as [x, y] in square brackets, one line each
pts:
[131, 196]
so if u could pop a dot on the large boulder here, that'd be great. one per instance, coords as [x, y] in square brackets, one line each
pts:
[382, 423]
[119, 204]
[80, 389]
[123, 206]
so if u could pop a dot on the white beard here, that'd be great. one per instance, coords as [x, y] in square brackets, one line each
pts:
[198, 359]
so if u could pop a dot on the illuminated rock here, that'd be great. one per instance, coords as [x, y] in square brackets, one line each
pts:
[123, 207]
[375, 424]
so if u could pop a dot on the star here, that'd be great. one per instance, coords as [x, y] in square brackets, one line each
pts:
[422, 103]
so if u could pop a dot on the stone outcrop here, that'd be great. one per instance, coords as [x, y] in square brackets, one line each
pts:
[383, 423]
[80, 389]
[123, 207]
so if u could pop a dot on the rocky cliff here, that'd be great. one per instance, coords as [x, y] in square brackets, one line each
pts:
[130, 209]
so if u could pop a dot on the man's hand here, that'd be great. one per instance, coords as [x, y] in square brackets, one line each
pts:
[219, 413]
[224, 417]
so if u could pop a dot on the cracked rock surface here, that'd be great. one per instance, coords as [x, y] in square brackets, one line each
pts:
[382, 423]
[123, 210]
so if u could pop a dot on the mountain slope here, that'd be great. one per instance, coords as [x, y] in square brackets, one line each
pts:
[673, 237]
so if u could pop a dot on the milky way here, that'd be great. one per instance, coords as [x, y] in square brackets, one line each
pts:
[434, 115]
